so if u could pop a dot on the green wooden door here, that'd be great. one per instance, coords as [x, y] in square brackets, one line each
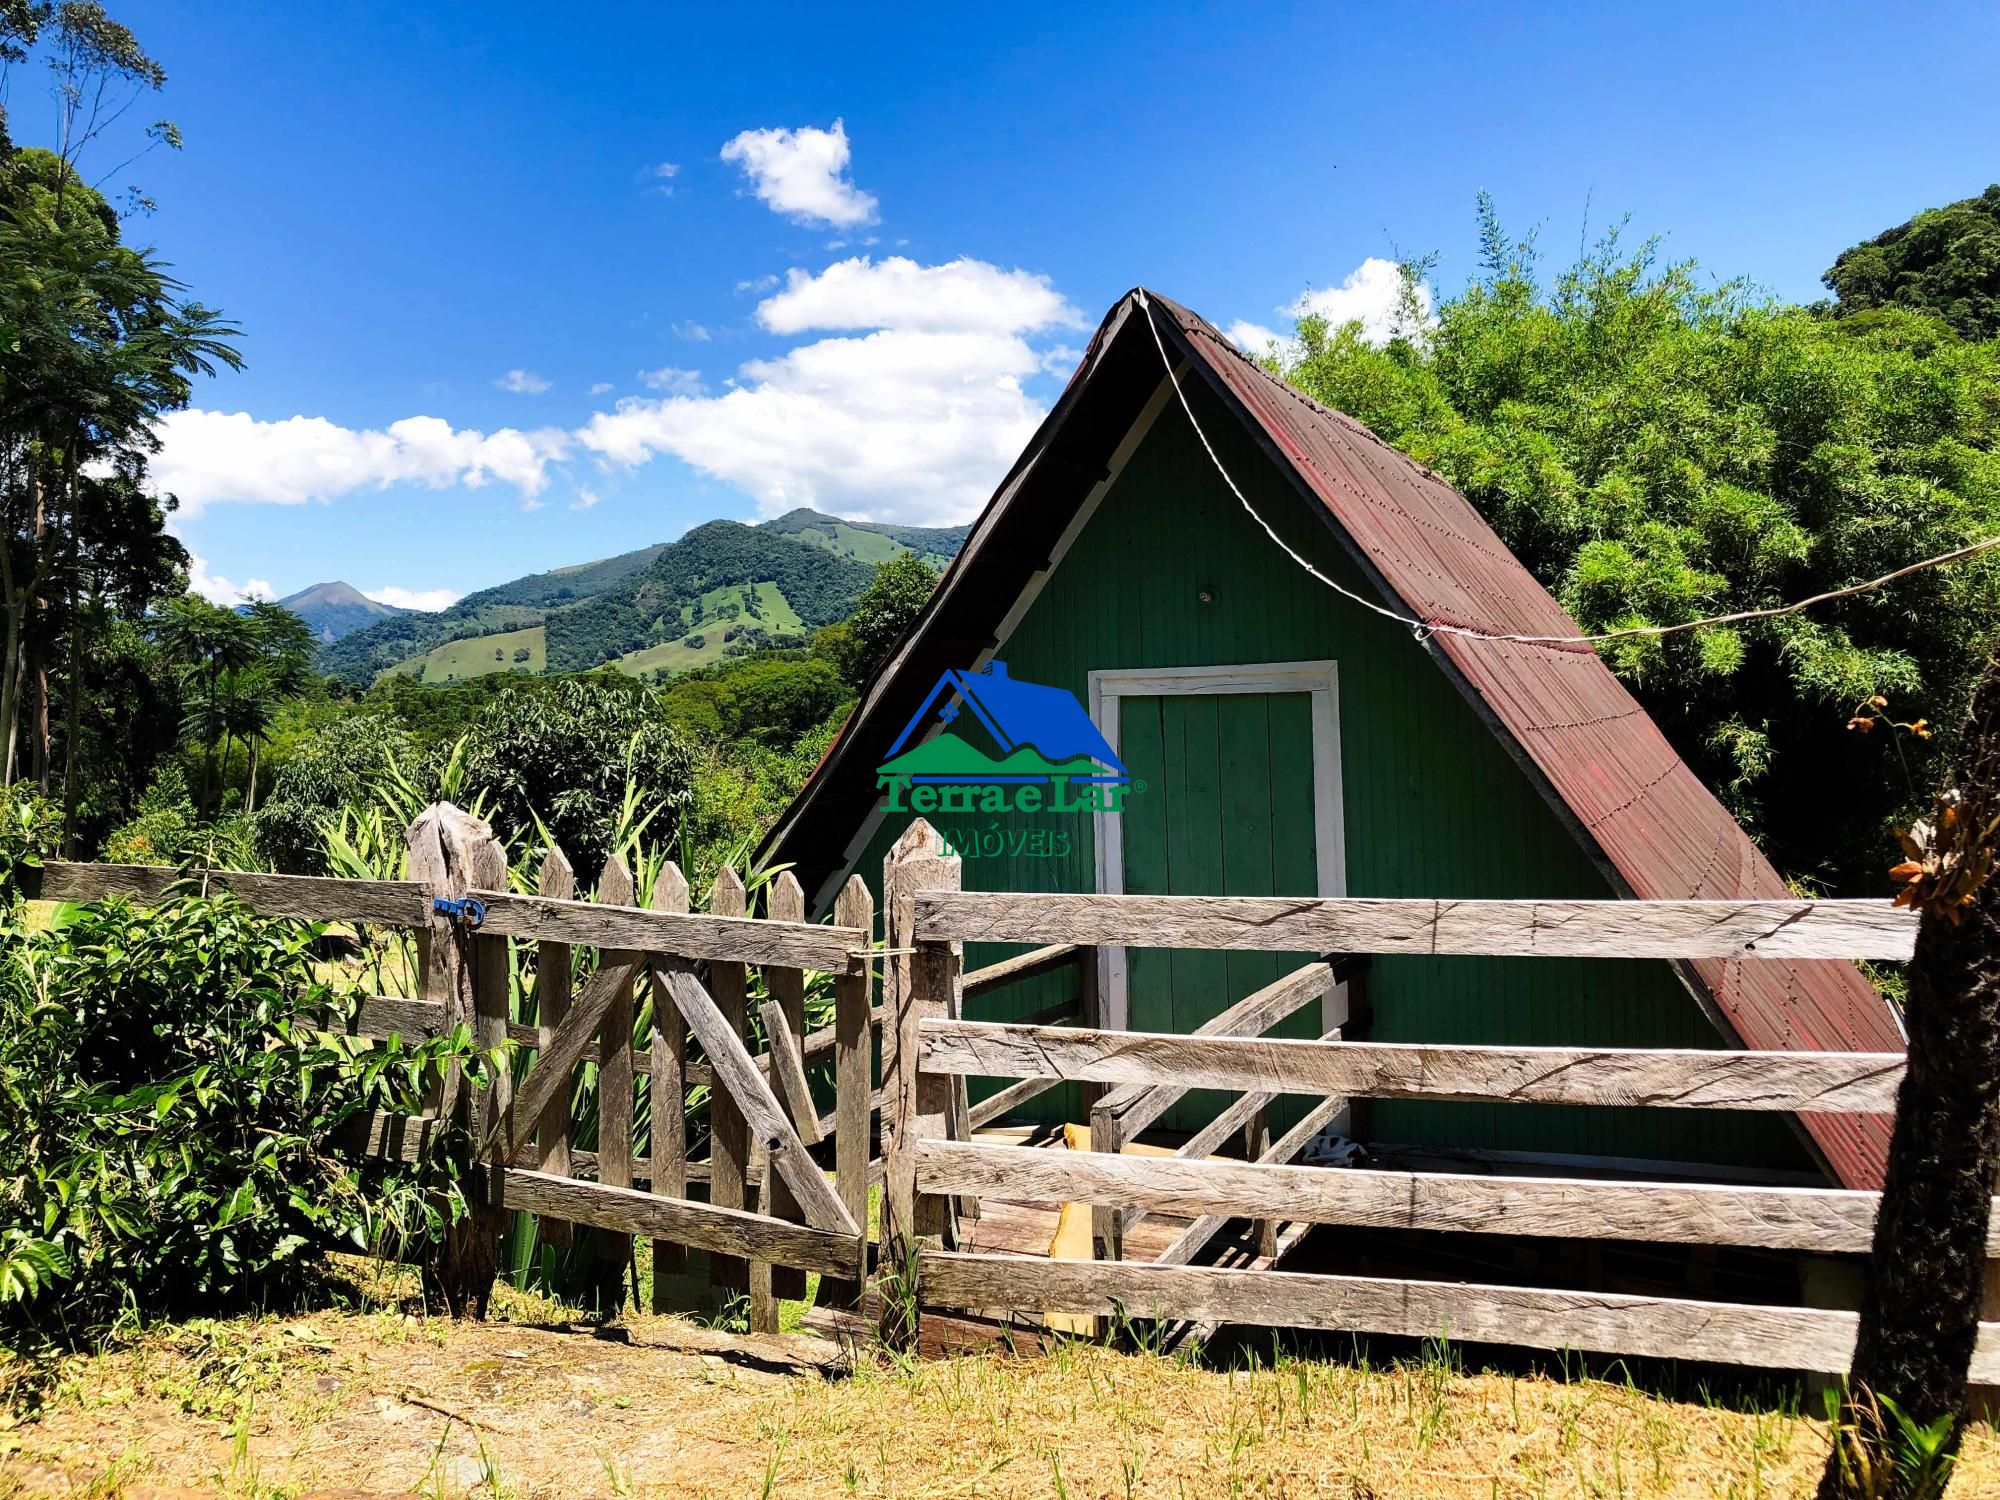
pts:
[1228, 810]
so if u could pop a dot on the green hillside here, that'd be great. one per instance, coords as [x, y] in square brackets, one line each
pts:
[723, 589]
[480, 655]
[871, 541]
[722, 618]
[518, 605]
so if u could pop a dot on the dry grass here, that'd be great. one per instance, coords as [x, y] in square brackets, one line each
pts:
[379, 1401]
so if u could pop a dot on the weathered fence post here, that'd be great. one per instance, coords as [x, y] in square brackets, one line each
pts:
[668, 1093]
[786, 902]
[920, 979]
[453, 852]
[729, 1141]
[853, 1082]
[614, 1091]
[1107, 1220]
[552, 996]
[1090, 1016]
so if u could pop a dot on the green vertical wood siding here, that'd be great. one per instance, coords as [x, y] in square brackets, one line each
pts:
[1434, 806]
[1228, 811]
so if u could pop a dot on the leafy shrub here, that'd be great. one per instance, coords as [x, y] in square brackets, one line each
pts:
[330, 770]
[30, 831]
[169, 1108]
[168, 831]
[887, 608]
[562, 757]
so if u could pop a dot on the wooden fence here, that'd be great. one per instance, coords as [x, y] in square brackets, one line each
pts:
[933, 1169]
[761, 1203]
[760, 1200]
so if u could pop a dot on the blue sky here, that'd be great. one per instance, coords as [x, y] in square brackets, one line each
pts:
[403, 204]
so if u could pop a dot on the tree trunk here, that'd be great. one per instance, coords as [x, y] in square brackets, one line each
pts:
[1920, 1315]
[72, 785]
[41, 721]
[250, 795]
[10, 687]
[207, 750]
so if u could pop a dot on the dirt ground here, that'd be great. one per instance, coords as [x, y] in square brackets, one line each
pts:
[378, 1401]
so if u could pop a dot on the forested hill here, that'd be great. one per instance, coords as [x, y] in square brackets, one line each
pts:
[692, 584]
[871, 541]
[522, 602]
[722, 589]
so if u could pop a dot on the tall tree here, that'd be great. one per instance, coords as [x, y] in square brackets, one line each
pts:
[210, 645]
[101, 341]
[1657, 448]
[1945, 261]
[859, 644]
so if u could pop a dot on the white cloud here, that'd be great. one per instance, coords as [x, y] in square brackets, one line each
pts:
[428, 600]
[676, 382]
[599, 387]
[802, 174]
[1371, 296]
[898, 425]
[964, 294]
[906, 402]
[219, 590]
[1061, 360]
[1255, 338]
[522, 383]
[757, 284]
[210, 456]
[694, 333]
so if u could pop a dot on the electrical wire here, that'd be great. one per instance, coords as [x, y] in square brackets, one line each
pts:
[1423, 628]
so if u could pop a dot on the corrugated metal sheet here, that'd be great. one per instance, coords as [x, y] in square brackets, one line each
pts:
[1652, 818]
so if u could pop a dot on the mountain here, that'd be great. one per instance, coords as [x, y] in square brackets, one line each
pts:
[870, 541]
[722, 589]
[334, 610]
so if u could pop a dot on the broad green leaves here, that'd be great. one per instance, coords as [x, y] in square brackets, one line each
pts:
[176, 1110]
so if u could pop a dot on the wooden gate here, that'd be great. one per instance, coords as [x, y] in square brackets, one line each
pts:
[759, 1200]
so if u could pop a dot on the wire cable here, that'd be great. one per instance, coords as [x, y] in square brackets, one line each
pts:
[1423, 628]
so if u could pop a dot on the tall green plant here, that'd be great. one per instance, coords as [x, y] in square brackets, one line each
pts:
[1658, 448]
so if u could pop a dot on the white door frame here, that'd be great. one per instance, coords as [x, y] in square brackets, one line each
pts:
[1320, 680]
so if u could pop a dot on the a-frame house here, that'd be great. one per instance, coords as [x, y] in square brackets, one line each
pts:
[1291, 741]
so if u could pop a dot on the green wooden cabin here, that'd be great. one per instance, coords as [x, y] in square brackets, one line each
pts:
[1288, 734]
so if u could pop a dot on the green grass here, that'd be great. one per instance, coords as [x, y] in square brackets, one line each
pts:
[863, 546]
[476, 656]
[775, 615]
[847, 541]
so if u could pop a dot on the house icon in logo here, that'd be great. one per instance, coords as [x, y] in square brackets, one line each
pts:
[1043, 737]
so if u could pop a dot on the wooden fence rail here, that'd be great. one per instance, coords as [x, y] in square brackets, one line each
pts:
[1532, 929]
[1786, 1338]
[1821, 1082]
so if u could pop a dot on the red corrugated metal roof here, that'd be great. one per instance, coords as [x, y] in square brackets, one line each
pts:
[1648, 813]
[1594, 751]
